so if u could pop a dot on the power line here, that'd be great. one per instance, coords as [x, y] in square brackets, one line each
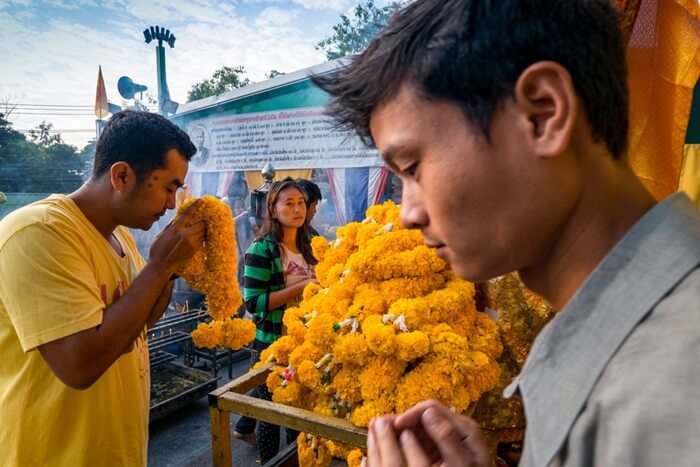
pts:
[84, 111]
[51, 112]
[56, 107]
[14, 104]
[73, 130]
[57, 114]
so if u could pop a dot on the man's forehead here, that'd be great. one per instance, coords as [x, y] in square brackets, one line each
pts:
[174, 168]
[391, 124]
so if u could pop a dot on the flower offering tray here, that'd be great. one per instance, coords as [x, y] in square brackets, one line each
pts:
[232, 398]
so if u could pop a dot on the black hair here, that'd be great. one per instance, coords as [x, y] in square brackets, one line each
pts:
[141, 139]
[310, 189]
[472, 52]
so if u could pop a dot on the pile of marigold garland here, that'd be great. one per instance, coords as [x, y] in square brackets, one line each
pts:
[212, 271]
[388, 326]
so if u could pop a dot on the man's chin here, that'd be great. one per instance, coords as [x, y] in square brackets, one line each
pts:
[145, 226]
[468, 270]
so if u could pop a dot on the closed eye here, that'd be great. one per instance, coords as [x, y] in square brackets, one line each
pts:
[410, 171]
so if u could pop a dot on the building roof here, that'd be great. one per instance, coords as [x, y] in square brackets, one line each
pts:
[258, 88]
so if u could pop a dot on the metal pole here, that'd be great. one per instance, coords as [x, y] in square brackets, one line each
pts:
[163, 93]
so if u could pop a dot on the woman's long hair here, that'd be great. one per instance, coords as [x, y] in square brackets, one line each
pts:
[273, 227]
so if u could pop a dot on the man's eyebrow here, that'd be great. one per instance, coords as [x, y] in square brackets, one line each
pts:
[390, 154]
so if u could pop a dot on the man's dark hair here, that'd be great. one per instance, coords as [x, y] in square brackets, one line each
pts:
[471, 52]
[310, 189]
[141, 139]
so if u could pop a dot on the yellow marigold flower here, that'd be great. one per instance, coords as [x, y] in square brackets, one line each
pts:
[362, 415]
[310, 290]
[334, 256]
[387, 213]
[449, 344]
[346, 384]
[213, 270]
[309, 375]
[464, 323]
[289, 394]
[368, 301]
[237, 333]
[486, 338]
[412, 345]
[367, 232]
[293, 322]
[312, 452]
[337, 450]
[379, 377]
[394, 254]
[351, 348]
[381, 338]
[274, 378]
[483, 374]
[319, 246]
[324, 405]
[395, 289]
[320, 332]
[348, 234]
[306, 351]
[208, 335]
[434, 378]
[231, 333]
[329, 305]
[436, 307]
[279, 351]
[332, 275]
[354, 459]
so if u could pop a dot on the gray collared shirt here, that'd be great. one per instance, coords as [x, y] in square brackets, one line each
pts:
[613, 380]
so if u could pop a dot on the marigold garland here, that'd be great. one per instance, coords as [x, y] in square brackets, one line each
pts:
[232, 333]
[388, 326]
[212, 271]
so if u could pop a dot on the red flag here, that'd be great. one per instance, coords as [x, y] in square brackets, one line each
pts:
[101, 104]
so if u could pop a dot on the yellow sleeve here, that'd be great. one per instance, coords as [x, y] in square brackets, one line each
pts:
[47, 286]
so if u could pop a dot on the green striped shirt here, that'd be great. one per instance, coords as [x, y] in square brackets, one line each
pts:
[263, 274]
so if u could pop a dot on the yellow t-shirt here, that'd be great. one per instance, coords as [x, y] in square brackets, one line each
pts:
[57, 276]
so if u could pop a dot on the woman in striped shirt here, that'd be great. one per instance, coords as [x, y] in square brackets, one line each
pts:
[278, 265]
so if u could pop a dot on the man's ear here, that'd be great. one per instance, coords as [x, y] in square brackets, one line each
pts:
[122, 177]
[547, 101]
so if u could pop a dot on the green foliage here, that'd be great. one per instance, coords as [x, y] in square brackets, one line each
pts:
[42, 136]
[44, 163]
[224, 79]
[352, 35]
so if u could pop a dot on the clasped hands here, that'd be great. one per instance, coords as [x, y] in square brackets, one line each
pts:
[427, 435]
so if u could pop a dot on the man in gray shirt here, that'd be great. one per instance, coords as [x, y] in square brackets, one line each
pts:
[507, 122]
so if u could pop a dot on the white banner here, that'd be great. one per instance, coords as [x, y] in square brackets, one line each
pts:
[289, 139]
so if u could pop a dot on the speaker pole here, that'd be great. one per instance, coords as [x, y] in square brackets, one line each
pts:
[165, 105]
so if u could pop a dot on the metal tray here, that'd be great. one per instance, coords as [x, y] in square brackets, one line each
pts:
[174, 386]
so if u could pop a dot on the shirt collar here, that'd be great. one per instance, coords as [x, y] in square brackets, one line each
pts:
[570, 353]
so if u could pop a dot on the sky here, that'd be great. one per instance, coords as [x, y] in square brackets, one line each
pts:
[50, 50]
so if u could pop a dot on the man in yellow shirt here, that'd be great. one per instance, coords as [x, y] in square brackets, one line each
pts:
[76, 299]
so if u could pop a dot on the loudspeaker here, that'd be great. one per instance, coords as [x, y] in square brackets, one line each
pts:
[127, 88]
